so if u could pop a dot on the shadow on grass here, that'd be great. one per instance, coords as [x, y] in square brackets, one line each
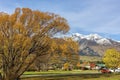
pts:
[69, 77]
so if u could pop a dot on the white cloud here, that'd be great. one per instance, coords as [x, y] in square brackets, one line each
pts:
[98, 16]
[101, 16]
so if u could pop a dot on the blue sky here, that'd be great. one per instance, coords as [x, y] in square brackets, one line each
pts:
[83, 16]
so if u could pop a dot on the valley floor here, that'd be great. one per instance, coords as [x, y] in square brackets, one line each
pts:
[69, 75]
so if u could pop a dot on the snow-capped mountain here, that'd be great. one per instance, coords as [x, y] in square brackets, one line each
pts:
[118, 41]
[94, 44]
[92, 37]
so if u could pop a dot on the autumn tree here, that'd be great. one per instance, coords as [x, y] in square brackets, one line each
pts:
[52, 59]
[66, 66]
[24, 36]
[78, 65]
[61, 50]
[64, 50]
[70, 51]
[112, 58]
[41, 63]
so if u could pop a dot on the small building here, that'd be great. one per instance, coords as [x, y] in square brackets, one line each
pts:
[99, 66]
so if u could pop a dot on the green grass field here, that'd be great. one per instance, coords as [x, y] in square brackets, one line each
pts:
[75, 75]
[110, 77]
[61, 72]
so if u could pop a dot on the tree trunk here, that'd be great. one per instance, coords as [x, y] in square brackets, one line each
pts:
[8, 72]
[9, 76]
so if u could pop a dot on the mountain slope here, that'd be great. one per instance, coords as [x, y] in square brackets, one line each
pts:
[94, 44]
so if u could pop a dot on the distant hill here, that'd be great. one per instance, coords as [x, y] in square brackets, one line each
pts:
[94, 44]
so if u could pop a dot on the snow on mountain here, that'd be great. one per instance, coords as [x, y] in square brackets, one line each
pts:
[88, 37]
[118, 41]
[103, 41]
[92, 37]
[94, 44]
[78, 35]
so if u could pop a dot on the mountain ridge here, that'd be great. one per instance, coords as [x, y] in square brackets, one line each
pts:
[94, 44]
[93, 37]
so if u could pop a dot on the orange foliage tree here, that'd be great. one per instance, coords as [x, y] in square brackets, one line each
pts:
[64, 50]
[78, 65]
[66, 66]
[24, 36]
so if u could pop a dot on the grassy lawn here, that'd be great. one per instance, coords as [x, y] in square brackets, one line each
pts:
[102, 77]
[60, 72]
[78, 75]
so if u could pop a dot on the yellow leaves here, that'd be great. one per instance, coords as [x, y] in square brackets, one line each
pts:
[41, 15]
[27, 43]
[4, 18]
[26, 10]
[36, 28]
[112, 58]
[72, 46]
[13, 18]
[78, 64]
[66, 66]
[53, 46]
[64, 49]
[27, 31]
[1, 37]
[22, 41]
[19, 28]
